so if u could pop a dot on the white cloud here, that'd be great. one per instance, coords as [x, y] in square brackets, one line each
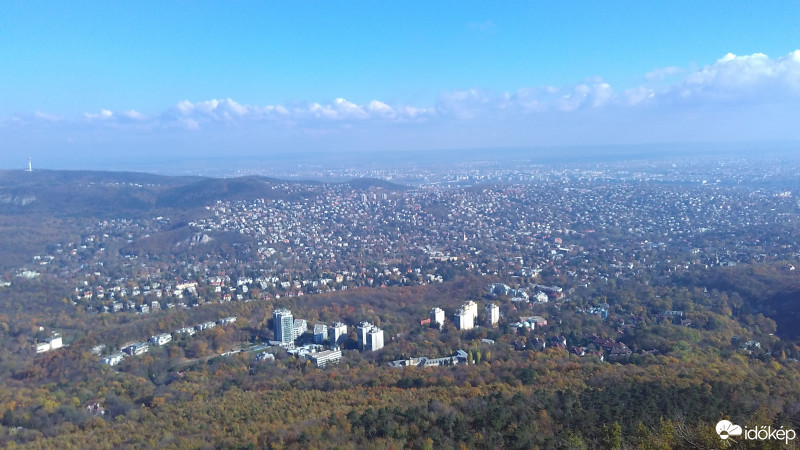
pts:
[638, 95]
[189, 124]
[379, 108]
[583, 95]
[103, 115]
[750, 79]
[466, 104]
[340, 110]
[664, 72]
[47, 117]
[134, 115]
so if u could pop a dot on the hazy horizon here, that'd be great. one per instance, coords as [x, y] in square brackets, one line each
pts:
[291, 164]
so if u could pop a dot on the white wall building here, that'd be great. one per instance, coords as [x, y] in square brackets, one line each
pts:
[437, 317]
[227, 320]
[370, 337]
[463, 320]
[337, 333]
[113, 360]
[54, 343]
[300, 326]
[472, 308]
[374, 340]
[326, 357]
[161, 339]
[137, 348]
[320, 333]
[283, 325]
[465, 317]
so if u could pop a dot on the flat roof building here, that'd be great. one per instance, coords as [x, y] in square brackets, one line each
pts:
[370, 337]
[437, 317]
[283, 325]
[320, 333]
[337, 333]
[326, 357]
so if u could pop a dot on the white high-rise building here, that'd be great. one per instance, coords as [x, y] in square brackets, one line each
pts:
[437, 317]
[370, 337]
[337, 333]
[465, 317]
[283, 325]
[320, 333]
[492, 314]
[300, 327]
[472, 308]
[362, 329]
[374, 340]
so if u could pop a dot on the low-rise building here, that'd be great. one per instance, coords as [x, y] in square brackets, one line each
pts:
[326, 357]
[227, 320]
[137, 348]
[264, 356]
[459, 357]
[205, 326]
[113, 359]
[53, 343]
[185, 330]
[161, 339]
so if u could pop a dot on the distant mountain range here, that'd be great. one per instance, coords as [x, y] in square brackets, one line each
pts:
[90, 194]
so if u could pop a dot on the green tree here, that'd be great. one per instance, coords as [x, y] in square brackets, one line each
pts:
[612, 436]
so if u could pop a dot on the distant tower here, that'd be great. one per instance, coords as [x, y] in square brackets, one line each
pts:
[30, 166]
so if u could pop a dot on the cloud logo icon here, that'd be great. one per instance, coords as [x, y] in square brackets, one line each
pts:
[726, 429]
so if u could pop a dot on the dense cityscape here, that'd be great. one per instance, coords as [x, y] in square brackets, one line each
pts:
[616, 263]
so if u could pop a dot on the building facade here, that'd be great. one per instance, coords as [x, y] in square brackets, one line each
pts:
[337, 334]
[326, 357]
[374, 340]
[320, 333]
[300, 326]
[161, 339]
[437, 317]
[283, 324]
[465, 317]
[370, 337]
[492, 314]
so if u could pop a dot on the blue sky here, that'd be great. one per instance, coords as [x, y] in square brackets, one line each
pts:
[131, 80]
